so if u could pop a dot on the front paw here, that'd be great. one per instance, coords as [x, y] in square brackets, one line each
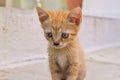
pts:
[71, 78]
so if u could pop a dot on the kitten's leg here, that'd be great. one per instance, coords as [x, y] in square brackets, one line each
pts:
[82, 73]
[73, 71]
[55, 71]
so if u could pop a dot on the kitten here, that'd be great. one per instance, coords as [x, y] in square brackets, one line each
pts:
[66, 58]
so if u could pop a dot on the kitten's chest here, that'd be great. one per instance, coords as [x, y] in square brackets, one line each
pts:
[62, 61]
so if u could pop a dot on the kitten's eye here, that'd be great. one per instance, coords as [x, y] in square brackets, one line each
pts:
[49, 35]
[65, 35]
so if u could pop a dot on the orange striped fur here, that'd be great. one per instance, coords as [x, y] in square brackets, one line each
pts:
[66, 58]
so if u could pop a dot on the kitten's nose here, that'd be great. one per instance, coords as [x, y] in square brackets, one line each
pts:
[56, 44]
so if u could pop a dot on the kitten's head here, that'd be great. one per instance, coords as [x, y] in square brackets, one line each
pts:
[60, 27]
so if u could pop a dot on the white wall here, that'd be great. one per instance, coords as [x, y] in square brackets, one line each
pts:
[21, 35]
[99, 33]
[110, 8]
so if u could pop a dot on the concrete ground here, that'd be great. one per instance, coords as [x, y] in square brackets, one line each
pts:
[101, 65]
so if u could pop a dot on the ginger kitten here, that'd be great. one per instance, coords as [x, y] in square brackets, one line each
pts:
[66, 58]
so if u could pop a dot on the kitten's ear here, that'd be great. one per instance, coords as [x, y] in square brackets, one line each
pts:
[75, 16]
[43, 16]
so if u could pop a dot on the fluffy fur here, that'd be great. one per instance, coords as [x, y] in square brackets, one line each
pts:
[66, 59]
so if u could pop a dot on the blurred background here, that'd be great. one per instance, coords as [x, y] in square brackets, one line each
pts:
[23, 48]
[97, 7]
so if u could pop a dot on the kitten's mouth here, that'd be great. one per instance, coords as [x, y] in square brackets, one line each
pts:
[58, 46]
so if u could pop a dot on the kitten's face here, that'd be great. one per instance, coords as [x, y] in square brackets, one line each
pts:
[60, 28]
